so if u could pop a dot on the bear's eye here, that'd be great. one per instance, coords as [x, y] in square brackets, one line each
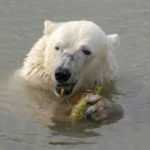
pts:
[57, 48]
[86, 52]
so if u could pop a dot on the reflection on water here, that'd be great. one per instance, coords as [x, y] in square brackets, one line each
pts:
[26, 121]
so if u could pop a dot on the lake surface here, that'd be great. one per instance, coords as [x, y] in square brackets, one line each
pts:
[21, 24]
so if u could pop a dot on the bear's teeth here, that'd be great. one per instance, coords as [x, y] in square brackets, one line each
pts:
[62, 90]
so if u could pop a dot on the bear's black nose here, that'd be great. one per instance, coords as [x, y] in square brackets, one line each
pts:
[62, 75]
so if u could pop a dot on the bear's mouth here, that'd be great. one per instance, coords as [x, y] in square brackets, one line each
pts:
[64, 89]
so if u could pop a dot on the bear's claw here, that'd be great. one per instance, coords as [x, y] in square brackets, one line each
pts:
[100, 109]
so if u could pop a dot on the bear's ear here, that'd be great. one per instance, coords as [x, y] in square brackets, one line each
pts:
[48, 27]
[113, 41]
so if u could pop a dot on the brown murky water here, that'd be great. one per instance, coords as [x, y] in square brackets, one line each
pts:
[21, 24]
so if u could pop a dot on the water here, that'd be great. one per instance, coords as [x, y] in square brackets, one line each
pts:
[21, 24]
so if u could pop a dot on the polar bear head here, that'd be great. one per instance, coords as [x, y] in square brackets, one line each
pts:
[77, 55]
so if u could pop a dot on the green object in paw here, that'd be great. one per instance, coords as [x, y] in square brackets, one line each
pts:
[98, 90]
[79, 109]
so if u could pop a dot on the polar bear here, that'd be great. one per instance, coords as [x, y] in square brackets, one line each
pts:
[77, 55]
